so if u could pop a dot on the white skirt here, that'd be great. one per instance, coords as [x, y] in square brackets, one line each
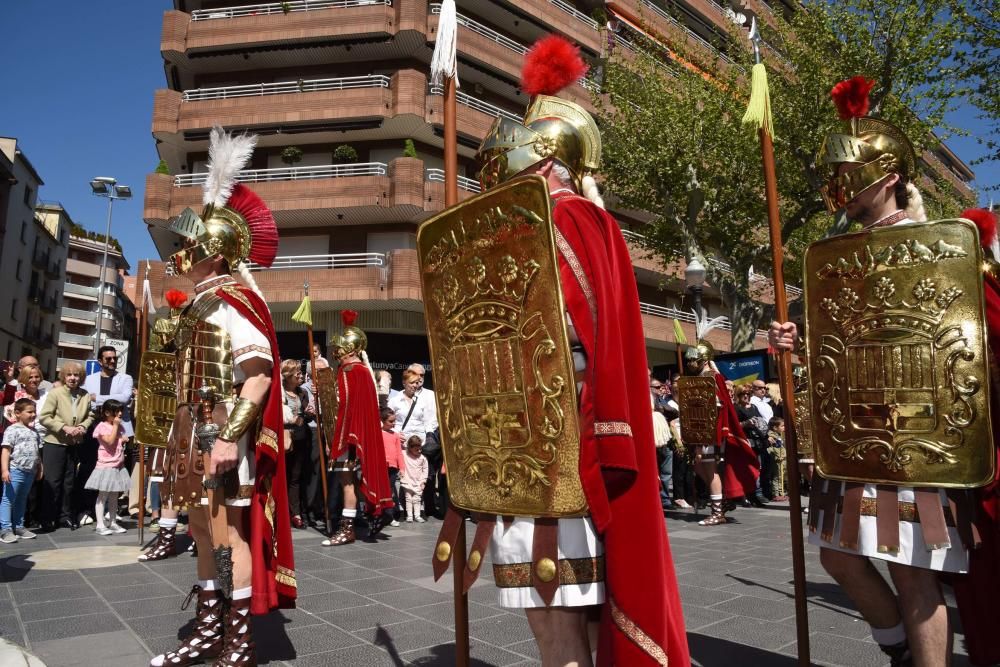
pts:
[578, 546]
[912, 549]
[110, 480]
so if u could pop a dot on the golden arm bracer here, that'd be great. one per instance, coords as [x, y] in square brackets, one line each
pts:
[502, 365]
[897, 357]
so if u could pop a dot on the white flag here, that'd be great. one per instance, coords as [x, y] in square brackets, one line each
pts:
[444, 63]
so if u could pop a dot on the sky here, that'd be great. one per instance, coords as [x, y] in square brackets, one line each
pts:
[77, 85]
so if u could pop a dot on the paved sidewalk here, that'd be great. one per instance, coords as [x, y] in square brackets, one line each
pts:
[377, 604]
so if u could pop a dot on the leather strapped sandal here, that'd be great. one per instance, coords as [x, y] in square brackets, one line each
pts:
[205, 640]
[344, 534]
[718, 516]
[162, 548]
[238, 649]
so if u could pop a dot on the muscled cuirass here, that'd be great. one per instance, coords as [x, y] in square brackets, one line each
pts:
[204, 354]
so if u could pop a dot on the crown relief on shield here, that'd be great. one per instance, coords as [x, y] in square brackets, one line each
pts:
[877, 146]
[553, 128]
[235, 222]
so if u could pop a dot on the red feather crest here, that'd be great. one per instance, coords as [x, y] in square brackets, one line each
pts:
[175, 297]
[551, 65]
[260, 220]
[349, 317]
[850, 96]
[986, 221]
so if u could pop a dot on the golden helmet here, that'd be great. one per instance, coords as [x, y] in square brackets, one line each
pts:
[553, 128]
[235, 224]
[351, 340]
[701, 352]
[877, 146]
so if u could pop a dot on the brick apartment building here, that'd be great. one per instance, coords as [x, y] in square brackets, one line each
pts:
[319, 75]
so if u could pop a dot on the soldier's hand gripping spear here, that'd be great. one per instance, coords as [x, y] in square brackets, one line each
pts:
[206, 432]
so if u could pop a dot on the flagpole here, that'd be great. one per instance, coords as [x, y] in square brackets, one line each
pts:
[759, 113]
[319, 417]
[143, 344]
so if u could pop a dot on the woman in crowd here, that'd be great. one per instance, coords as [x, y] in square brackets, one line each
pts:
[298, 413]
[31, 385]
[755, 428]
[66, 415]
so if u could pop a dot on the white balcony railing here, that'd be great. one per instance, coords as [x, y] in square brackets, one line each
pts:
[75, 339]
[76, 313]
[292, 173]
[280, 8]
[337, 261]
[659, 11]
[467, 184]
[575, 13]
[478, 105]
[489, 33]
[283, 87]
[686, 316]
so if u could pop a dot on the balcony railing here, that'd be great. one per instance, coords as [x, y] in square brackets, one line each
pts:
[337, 261]
[77, 314]
[292, 173]
[82, 290]
[489, 33]
[478, 105]
[686, 316]
[467, 184]
[575, 13]
[284, 87]
[75, 339]
[659, 11]
[280, 8]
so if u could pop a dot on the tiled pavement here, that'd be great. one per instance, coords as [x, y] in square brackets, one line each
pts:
[377, 604]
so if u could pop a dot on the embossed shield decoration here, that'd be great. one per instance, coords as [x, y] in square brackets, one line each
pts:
[156, 402]
[897, 356]
[699, 409]
[503, 373]
[326, 395]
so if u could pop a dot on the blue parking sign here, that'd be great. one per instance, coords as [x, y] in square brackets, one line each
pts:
[93, 366]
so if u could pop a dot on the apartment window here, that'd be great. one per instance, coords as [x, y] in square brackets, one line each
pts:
[10, 348]
[24, 232]
[13, 309]
[18, 272]
[29, 195]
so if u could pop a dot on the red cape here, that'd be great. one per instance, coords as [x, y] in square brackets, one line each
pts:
[742, 469]
[273, 575]
[358, 424]
[978, 592]
[642, 622]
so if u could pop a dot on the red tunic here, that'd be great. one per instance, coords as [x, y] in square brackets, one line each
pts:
[641, 622]
[358, 425]
[273, 574]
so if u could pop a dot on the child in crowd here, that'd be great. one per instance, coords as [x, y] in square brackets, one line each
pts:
[414, 478]
[776, 448]
[109, 478]
[393, 457]
[21, 464]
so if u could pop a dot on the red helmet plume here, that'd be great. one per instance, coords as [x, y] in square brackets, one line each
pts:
[349, 317]
[850, 96]
[551, 65]
[260, 220]
[986, 221]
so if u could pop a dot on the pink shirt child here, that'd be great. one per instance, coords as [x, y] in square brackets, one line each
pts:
[113, 455]
[393, 449]
[414, 472]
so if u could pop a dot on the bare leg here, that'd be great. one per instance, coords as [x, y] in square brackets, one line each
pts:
[864, 585]
[198, 525]
[925, 616]
[346, 480]
[561, 635]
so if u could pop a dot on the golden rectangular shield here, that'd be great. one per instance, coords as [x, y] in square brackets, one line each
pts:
[803, 425]
[699, 408]
[156, 401]
[503, 372]
[326, 400]
[897, 356]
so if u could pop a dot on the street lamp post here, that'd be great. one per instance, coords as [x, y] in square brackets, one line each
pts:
[106, 186]
[694, 278]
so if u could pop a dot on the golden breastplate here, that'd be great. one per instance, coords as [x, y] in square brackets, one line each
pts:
[204, 354]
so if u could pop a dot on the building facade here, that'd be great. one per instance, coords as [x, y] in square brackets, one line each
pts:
[344, 84]
[34, 239]
[84, 284]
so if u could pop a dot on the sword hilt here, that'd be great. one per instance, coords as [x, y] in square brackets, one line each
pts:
[207, 430]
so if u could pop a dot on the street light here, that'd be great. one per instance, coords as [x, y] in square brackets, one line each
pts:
[694, 278]
[106, 186]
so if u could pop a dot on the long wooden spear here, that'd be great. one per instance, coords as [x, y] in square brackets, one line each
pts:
[444, 65]
[759, 114]
[304, 315]
[143, 344]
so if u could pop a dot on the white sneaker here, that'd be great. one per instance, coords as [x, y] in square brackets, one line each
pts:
[394, 523]
[102, 530]
[421, 519]
[85, 519]
[683, 504]
[409, 519]
[116, 529]
[8, 537]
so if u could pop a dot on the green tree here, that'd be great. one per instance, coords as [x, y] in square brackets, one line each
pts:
[979, 59]
[674, 144]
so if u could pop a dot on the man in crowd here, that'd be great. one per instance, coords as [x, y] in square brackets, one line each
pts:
[227, 355]
[664, 455]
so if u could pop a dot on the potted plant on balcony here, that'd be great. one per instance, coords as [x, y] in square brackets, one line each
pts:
[344, 154]
[162, 168]
[286, 7]
[291, 155]
[409, 150]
